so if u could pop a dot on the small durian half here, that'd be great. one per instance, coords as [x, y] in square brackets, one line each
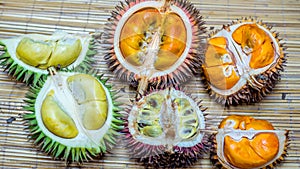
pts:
[245, 142]
[27, 57]
[242, 62]
[155, 42]
[73, 116]
[163, 129]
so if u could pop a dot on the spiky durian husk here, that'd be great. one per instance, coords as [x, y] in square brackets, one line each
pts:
[185, 71]
[215, 160]
[30, 77]
[157, 156]
[60, 151]
[248, 94]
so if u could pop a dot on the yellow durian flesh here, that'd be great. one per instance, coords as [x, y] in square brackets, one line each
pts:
[47, 53]
[34, 53]
[55, 118]
[91, 97]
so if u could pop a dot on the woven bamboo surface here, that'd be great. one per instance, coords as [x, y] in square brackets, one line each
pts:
[281, 107]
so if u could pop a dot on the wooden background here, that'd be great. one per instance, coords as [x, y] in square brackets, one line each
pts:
[17, 17]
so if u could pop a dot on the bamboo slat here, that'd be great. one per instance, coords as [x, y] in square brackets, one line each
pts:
[281, 107]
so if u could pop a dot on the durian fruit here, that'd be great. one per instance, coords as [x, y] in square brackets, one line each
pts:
[164, 129]
[154, 42]
[245, 142]
[242, 62]
[74, 116]
[28, 57]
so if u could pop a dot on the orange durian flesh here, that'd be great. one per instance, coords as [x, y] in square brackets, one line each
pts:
[250, 153]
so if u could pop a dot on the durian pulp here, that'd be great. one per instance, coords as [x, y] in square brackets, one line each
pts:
[92, 117]
[175, 119]
[250, 134]
[235, 68]
[37, 64]
[153, 52]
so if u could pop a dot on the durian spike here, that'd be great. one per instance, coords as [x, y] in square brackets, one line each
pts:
[57, 79]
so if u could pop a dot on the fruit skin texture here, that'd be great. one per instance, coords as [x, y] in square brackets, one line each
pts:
[169, 69]
[221, 74]
[67, 152]
[248, 152]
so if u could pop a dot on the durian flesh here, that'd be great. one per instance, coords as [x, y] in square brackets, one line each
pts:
[75, 111]
[245, 142]
[32, 54]
[242, 54]
[166, 118]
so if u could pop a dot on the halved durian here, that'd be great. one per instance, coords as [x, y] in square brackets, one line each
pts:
[245, 142]
[242, 62]
[163, 129]
[74, 116]
[28, 57]
[156, 42]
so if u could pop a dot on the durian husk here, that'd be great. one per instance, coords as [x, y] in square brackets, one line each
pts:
[248, 94]
[159, 156]
[185, 71]
[64, 152]
[30, 77]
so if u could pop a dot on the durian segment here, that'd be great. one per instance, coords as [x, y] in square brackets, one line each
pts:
[255, 43]
[55, 118]
[148, 119]
[188, 118]
[244, 142]
[27, 57]
[91, 98]
[138, 33]
[86, 88]
[96, 118]
[34, 53]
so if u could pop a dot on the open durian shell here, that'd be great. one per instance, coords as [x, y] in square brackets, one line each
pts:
[166, 69]
[47, 51]
[64, 125]
[220, 159]
[155, 140]
[253, 83]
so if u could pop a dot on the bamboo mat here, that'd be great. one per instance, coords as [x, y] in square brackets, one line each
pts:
[282, 107]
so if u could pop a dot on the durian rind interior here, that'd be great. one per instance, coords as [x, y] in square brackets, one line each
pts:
[137, 30]
[166, 117]
[245, 142]
[237, 53]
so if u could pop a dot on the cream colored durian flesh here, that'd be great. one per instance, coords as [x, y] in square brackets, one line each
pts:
[76, 112]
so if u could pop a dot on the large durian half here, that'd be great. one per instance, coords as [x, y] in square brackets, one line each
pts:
[242, 62]
[245, 142]
[28, 57]
[154, 40]
[163, 129]
[73, 116]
